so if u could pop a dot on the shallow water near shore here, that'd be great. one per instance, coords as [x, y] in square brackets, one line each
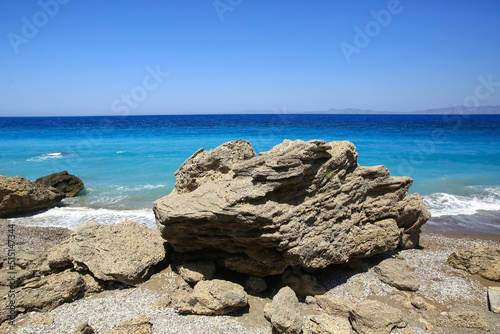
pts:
[128, 162]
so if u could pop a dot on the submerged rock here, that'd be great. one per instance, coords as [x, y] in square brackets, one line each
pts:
[302, 203]
[122, 252]
[19, 196]
[68, 184]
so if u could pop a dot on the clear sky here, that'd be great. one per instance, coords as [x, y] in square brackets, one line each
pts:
[74, 57]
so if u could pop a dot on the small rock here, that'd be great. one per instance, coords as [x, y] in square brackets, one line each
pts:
[356, 289]
[83, 328]
[419, 303]
[302, 284]
[140, 325]
[193, 272]
[375, 289]
[310, 300]
[64, 182]
[397, 274]
[326, 324]
[463, 318]
[494, 299]
[284, 312]
[215, 297]
[336, 306]
[41, 318]
[256, 284]
[373, 317]
[478, 260]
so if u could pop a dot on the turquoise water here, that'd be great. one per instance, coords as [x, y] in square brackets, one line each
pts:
[128, 162]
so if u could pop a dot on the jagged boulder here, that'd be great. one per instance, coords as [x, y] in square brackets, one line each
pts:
[302, 203]
[19, 196]
[123, 252]
[68, 184]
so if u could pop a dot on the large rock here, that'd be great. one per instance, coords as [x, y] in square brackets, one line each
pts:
[374, 317]
[47, 293]
[284, 312]
[478, 260]
[122, 252]
[68, 184]
[398, 274]
[215, 297]
[302, 203]
[19, 196]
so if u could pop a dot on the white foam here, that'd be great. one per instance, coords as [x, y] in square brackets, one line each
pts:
[481, 198]
[51, 155]
[72, 217]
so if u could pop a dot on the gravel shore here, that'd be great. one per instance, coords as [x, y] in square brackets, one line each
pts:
[441, 285]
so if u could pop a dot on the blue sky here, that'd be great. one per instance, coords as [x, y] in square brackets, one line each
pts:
[73, 57]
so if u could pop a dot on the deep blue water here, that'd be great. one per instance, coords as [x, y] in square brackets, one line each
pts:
[128, 162]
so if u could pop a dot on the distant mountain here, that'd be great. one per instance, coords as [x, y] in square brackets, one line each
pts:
[482, 110]
[458, 110]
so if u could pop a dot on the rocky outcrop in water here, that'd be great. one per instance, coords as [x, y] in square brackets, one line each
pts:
[68, 184]
[19, 196]
[302, 203]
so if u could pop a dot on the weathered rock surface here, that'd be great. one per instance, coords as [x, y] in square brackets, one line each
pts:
[122, 252]
[140, 325]
[463, 318]
[215, 297]
[302, 203]
[494, 299]
[284, 312]
[46, 293]
[68, 184]
[326, 324]
[478, 260]
[27, 265]
[398, 274]
[193, 272]
[373, 317]
[19, 196]
[335, 306]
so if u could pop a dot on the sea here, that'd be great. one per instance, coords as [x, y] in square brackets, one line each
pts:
[127, 162]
